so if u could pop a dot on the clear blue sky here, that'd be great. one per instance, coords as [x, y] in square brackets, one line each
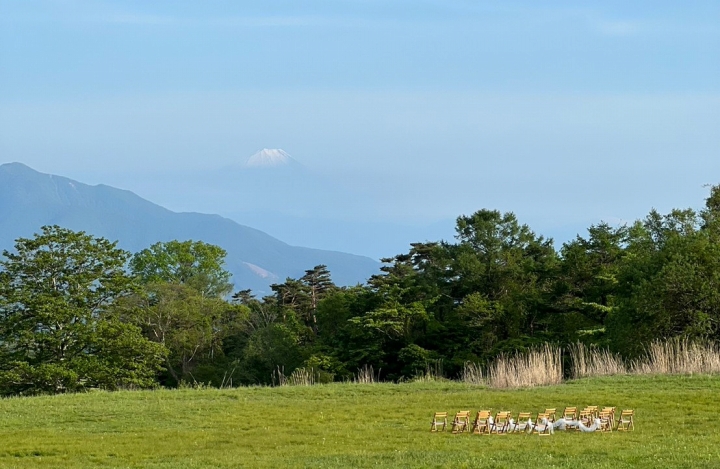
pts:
[566, 113]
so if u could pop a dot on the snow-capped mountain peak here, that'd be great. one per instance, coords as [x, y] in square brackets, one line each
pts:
[270, 158]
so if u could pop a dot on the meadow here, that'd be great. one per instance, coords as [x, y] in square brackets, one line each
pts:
[357, 425]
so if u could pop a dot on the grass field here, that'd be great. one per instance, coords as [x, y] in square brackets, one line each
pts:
[351, 425]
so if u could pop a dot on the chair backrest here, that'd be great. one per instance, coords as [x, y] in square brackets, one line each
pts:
[440, 415]
[551, 414]
[593, 409]
[570, 413]
[523, 416]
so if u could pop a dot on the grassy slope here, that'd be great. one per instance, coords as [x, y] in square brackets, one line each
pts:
[347, 425]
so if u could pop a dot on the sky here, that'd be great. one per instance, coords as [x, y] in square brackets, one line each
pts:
[566, 113]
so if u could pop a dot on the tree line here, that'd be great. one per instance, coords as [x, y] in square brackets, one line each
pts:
[77, 312]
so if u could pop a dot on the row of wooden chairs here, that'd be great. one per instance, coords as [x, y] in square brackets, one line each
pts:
[485, 423]
[606, 415]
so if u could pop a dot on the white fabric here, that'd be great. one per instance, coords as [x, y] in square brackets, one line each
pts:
[545, 426]
[563, 424]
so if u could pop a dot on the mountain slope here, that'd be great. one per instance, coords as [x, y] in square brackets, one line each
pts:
[29, 199]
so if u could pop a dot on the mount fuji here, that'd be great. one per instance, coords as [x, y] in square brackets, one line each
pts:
[271, 158]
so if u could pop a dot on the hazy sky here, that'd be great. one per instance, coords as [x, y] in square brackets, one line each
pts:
[567, 113]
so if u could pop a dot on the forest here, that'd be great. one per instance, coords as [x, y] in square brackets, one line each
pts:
[78, 313]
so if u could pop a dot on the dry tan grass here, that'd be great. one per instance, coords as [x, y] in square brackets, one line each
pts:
[472, 374]
[541, 366]
[433, 372]
[679, 356]
[668, 357]
[366, 375]
[299, 377]
[591, 361]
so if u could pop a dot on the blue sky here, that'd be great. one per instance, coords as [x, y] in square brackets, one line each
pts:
[566, 113]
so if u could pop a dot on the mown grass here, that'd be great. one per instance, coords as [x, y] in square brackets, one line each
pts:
[353, 425]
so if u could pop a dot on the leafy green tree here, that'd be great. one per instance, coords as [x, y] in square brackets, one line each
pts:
[670, 280]
[58, 330]
[393, 319]
[348, 343]
[192, 327]
[194, 263]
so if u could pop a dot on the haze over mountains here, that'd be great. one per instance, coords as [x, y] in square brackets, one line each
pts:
[278, 194]
[29, 199]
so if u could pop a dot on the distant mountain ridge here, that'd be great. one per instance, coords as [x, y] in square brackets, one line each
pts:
[30, 199]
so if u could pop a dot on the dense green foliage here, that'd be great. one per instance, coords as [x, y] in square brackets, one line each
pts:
[76, 312]
[58, 330]
[353, 425]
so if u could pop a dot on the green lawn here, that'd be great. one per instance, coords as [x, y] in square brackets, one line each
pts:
[348, 425]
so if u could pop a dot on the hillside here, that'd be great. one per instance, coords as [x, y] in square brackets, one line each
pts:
[29, 199]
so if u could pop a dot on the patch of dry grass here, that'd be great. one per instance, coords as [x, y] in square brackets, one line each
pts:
[592, 361]
[540, 366]
[679, 357]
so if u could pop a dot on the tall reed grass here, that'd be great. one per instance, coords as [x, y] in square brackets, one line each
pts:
[472, 373]
[366, 375]
[433, 372]
[299, 377]
[675, 356]
[540, 366]
[592, 361]
[679, 356]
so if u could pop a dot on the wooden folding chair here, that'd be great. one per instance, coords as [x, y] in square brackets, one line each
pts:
[593, 409]
[610, 410]
[605, 421]
[482, 425]
[626, 422]
[523, 423]
[551, 414]
[539, 428]
[586, 416]
[502, 421]
[461, 422]
[439, 419]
